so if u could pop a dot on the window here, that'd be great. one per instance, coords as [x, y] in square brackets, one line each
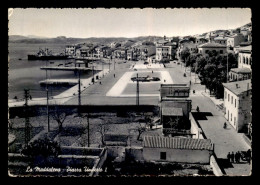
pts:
[225, 94]
[231, 99]
[163, 155]
[228, 97]
[231, 117]
[221, 51]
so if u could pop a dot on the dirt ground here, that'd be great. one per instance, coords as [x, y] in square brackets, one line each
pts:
[75, 129]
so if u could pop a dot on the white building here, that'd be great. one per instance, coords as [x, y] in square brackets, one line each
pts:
[70, 50]
[244, 57]
[237, 102]
[183, 150]
[205, 48]
[235, 40]
[163, 52]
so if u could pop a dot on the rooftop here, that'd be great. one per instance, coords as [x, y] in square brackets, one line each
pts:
[245, 49]
[177, 143]
[172, 111]
[211, 45]
[220, 38]
[238, 87]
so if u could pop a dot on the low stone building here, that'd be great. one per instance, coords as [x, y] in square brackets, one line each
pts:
[183, 150]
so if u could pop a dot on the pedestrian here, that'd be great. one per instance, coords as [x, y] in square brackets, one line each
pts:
[225, 125]
[152, 71]
[114, 75]
[100, 82]
[232, 157]
[198, 109]
[248, 155]
[236, 157]
[229, 156]
[193, 91]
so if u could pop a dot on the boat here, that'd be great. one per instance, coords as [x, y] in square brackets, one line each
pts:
[47, 55]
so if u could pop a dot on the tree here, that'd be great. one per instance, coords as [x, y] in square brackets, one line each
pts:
[185, 54]
[141, 128]
[59, 115]
[102, 129]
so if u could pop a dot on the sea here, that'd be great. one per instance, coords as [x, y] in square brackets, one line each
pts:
[26, 74]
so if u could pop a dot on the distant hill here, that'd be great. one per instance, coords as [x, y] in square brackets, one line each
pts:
[65, 40]
[16, 37]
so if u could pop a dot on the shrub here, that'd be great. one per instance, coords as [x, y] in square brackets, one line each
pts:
[44, 147]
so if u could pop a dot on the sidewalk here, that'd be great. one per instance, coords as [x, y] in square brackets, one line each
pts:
[225, 140]
[62, 97]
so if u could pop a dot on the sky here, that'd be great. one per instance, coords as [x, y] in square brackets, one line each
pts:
[84, 23]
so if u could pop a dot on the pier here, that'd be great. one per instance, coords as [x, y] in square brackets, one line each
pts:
[66, 68]
[59, 82]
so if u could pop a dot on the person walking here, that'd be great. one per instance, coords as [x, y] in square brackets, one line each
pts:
[225, 125]
[229, 156]
[236, 157]
[198, 109]
[232, 156]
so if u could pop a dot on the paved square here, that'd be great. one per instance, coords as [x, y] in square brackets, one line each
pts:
[125, 87]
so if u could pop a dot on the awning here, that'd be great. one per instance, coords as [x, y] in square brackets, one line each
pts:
[172, 111]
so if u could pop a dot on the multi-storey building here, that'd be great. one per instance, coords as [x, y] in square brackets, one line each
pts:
[237, 102]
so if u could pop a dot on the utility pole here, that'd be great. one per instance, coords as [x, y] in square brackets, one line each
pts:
[103, 67]
[114, 64]
[79, 93]
[137, 90]
[93, 73]
[47, 99]
[27, 120]
[88, 129]
[227, 67]
[109, 64]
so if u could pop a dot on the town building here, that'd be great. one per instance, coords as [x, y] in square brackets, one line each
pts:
[237, 103]
[201, 40]
[221, 40]
[151, 58]
[181, 150]
[70, 50]
[238, 74]
[84, 51]
[235, 40]
[244, 57]
[175, 107]
[205, 48]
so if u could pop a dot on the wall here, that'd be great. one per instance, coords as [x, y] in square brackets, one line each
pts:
[99, 163]
[177, 155]
[115, 151]
[203, 50]
[184, 104]
[195, 129]
[244, 111]
[134, 153]
[244, 60]
[231, 109]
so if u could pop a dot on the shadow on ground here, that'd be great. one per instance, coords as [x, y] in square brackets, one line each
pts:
[201, 115]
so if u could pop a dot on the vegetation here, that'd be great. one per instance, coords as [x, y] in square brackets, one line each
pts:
[43, 147]
[211, 69]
